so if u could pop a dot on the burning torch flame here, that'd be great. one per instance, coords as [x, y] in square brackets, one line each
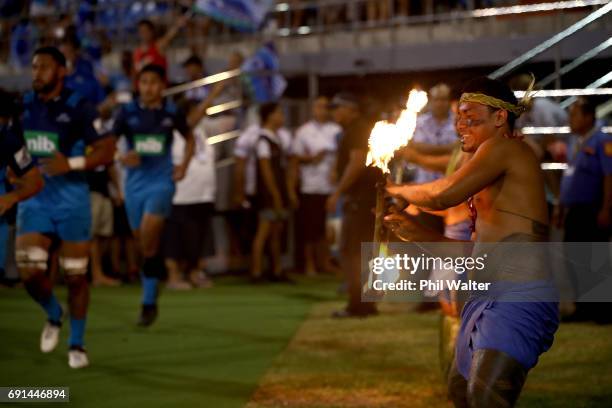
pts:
[388, 137]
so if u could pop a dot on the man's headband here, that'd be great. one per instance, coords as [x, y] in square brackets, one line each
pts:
[493, 102]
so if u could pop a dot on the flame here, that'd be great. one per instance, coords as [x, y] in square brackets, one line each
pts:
[387, 137]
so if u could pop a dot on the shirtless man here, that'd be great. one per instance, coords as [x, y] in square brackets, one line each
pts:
[503, 185]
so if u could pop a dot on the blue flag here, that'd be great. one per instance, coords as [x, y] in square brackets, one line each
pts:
[242, 15]
[261, 77]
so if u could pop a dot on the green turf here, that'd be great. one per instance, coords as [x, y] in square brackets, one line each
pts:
[392, 361]
[209, 348]
[273, 346]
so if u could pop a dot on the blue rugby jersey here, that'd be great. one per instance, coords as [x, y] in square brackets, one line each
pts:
[149, 132]
[63, 124]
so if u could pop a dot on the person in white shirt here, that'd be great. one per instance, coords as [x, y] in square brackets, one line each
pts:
[245, 169]
[243, 221]
[189, 238]
[312, 163]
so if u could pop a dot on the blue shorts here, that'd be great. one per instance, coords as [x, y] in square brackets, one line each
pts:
[4, 233]
[68, 225]
[523, 330]
[156, 201]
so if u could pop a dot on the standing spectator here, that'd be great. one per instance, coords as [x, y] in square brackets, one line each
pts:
[271, 196]
[357, 188]
[243, 219]
[10, 10]
[313, 152]
[194, 70]
[151, 49]
[121, 81]
[542, 112]
[586, 188]
[434, 135]
[244, 222]
[101, 224]
[586, 200]
[189, 236]
[81, 77]
[220, 93]
[435, 130]
[23, 35]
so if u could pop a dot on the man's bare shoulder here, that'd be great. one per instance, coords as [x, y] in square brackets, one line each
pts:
[508, 148]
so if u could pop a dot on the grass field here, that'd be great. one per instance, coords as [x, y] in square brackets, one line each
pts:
[272, 346]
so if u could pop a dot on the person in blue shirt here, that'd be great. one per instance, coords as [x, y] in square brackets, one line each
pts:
[24, 180]
[80, 76]
[586, 187]
[586, 204]
[59, 133]
[148, 124]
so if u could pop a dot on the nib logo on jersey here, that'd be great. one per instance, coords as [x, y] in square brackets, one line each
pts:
[149, 145]
[41, 143]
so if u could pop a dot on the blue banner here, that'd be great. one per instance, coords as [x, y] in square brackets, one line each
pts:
[242, 15]
[261, 78]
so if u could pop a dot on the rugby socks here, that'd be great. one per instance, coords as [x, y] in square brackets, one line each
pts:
[149, 290]
[53, 309]
[153, 269]
[39, 289]
[77, 332]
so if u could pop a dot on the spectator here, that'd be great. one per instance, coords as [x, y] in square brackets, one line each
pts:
[101, 224]
[434, 135]
[221, 93]
[313, 152]
[586, 187]
[194, 70]
[80, 76]
[244, 220]
[120, 81]
[152, 49]
[23, 36]
[542, 112]
[271, 196]
[189, 236]
[586, 203]
[41, 8]
[356, 186]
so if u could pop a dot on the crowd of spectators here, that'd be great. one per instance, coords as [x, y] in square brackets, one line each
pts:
[100, 23]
